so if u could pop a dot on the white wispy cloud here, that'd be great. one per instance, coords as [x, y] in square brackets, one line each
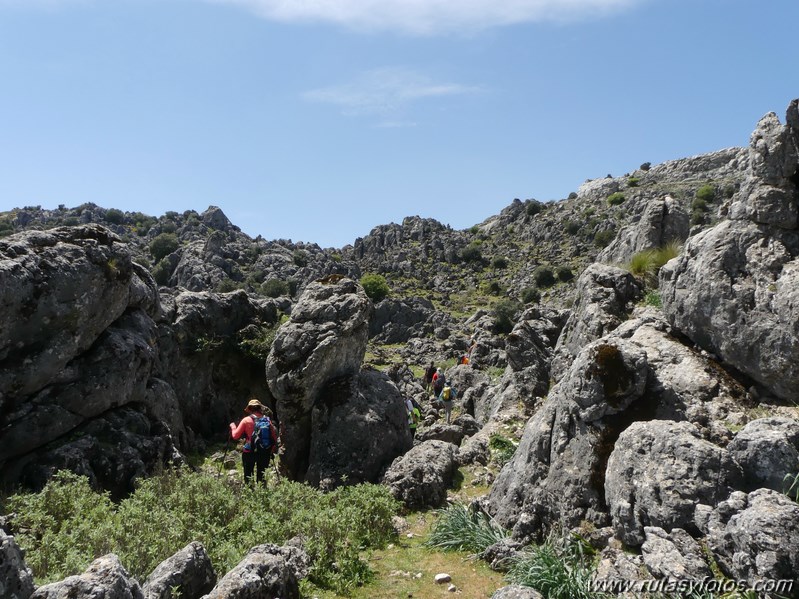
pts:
[386, 93]
[429, 16]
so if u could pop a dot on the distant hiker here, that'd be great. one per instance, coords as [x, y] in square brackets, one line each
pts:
[414, 415]
[428, 376]
[260, 439]
[439, 380]
[447, 397]
[464, 359]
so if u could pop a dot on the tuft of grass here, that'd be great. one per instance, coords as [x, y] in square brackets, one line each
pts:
[460, 528]
[646, 264]
[559, 568]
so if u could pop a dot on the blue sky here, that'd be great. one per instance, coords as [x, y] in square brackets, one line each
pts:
[316, 120]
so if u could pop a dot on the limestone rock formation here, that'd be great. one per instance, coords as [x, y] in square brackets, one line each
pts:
[16, 579]
[421, 477]
[105, 577]
[189, 570]
[767, 449]
[735, 289]
[266, 571]
[674, 556]
[603, 295]
[659, 472]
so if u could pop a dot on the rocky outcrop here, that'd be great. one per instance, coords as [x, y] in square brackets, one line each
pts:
[16, 579]
[663, 221]
[397, 320]
[767, 449]
[189, 571]
[673, 556]
[755, 537]
[334, 421]
[734, 289]
[516, 592]
[603, 297]
[266, 571]
[658, 473]
[105, 577]
[421, 477]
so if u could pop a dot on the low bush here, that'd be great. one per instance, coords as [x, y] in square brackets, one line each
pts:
[501, 448]
[500, 262]
[375, 286]
[114, 216]
[706, 193]
[472, 253]
[67, 525]
[300, 258]
[460, 528]
[616, 198]
[633, 182]
[533, 207]
[603, 238]
[274, 288]
[564, 274]
[163, 245]
[530, 295]
[571, 227]
[504, 314]
[544, 277]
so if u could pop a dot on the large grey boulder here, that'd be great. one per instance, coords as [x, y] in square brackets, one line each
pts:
[673, 556]
[657, 474]
[60, 289]
[266, 571]
[767, 449]
[515, 591]
[189, 571]
[397, 320]
[105, 578]
[421, 477]
[557, 473]
[358, 426]
[313, 362]
[756, 537]
[16, 579]
[734, 290]
[603, 297]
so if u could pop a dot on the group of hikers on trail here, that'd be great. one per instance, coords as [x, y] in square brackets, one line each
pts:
[436, 381]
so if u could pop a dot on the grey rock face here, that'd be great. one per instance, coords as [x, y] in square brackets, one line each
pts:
[105, 578]
[189, 570]
[16, 579]
[60, 289]
[767, 449]
[557, 472]
[397, 320]
[658, 473]
[735, 289]
[662, 222]
[449, 433]
[603, 294]
[266, 571]
[358, 426]
[422, 476]
[674, 556]
[756, 537]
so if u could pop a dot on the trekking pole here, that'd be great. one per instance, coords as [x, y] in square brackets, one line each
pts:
[224, 456]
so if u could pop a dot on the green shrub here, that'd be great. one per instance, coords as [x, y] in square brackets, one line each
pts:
[571, 227]
[500, 262]
[501, 448]
[161, 272]
[300, 258]
[67, 525]
[504, 314]
[633, 182]
[472, 253]
[616, 198]
[274, 288]
[698, 217]
[163, 245]
[533, 207]
[494, 288]
[647, 263]
[71, 221]
[653, 299]
[474, 229]
[564, 274]
[227, 285]
[707, 193]
[603, 238]
[114, 216]
[699, 204]
[460, 528]
[530, 295]
[375, 286]
[572, 195]
[559, 568]
[544, 277]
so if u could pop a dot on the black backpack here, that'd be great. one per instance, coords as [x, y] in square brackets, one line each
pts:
[262, 435]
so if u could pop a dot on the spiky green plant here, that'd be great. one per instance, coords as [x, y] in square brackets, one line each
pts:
[460, 528]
